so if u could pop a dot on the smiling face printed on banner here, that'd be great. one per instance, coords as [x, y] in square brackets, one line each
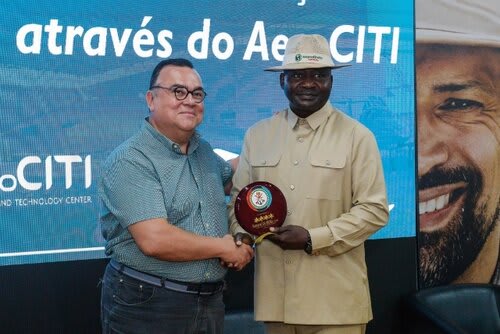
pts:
[458, 117]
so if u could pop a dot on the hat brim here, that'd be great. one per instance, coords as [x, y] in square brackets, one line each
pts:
[433, 36]
[302, 66]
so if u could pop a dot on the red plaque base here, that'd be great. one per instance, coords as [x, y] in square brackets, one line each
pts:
[259, 206]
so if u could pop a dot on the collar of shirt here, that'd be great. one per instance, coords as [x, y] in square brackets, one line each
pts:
[314, 120]
[165, 141]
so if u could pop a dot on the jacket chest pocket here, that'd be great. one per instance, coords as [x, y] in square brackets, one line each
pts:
[264, 168]
[326, 177]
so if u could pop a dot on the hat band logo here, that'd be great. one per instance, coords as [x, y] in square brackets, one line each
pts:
[312, 58]
[308, 58]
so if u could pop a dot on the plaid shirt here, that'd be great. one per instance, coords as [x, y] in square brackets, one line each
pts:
[148, 177]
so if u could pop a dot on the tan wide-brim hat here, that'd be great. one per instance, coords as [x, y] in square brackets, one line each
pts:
[458, 22]
[306, 51]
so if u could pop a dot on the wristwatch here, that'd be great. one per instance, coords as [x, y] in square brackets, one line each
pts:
[308, 246]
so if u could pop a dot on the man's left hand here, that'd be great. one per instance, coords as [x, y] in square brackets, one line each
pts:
[289, 236]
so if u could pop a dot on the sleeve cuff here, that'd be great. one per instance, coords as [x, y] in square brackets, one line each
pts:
[321, 237]
[236, 228]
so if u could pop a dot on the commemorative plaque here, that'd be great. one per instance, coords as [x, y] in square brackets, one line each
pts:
[259, 206]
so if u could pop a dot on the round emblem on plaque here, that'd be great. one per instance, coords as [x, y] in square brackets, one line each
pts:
[260, 206]
[259, 198]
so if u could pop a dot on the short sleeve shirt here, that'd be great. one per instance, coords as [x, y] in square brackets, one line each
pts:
[149, 177]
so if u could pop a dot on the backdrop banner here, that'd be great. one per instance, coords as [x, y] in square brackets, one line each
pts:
[73, 78]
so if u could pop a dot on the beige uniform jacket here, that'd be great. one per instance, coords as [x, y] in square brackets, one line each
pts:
[329, 169]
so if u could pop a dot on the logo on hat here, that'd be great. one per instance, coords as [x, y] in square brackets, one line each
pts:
[313, 58]
[304, 52]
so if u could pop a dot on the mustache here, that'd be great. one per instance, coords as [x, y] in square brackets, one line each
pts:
[439, 176]
[309, 91]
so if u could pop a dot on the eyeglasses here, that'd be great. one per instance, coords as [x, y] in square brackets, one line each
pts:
[181, 92]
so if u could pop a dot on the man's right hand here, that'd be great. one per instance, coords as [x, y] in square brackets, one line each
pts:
[234, 256]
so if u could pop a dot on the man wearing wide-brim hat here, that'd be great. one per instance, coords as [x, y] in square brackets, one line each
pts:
[310, 275]
[458, 120]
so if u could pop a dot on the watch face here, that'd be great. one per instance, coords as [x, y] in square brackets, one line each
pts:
[308, 248]
[259, 206]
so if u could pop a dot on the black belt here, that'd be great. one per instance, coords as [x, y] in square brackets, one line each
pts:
[193, 288]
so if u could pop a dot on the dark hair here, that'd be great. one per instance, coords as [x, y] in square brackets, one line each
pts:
[181, 62]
